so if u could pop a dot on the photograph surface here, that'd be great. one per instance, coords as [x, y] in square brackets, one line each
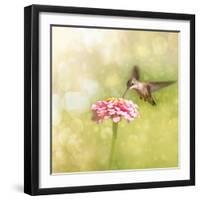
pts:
[114, 99]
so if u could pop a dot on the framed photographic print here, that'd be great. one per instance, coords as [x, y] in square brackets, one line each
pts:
[109, 99]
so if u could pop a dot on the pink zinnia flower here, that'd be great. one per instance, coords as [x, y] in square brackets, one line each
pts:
[115, 109]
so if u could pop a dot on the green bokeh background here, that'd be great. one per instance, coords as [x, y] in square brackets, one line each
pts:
[94, 64]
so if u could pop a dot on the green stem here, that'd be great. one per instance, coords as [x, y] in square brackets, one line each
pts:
[114, 129]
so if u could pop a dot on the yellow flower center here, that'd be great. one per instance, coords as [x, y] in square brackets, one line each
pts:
[111, 99]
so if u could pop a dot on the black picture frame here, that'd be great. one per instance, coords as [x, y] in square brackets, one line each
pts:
[31, 98]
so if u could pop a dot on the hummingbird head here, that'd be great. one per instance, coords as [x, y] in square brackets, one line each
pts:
[130, 83]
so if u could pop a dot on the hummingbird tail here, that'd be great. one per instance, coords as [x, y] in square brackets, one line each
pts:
[151, 101]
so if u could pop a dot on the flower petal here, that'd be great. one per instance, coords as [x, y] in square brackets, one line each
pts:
[116, 119]
[114, 108]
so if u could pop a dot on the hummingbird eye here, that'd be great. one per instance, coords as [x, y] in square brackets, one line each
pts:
[130, 83]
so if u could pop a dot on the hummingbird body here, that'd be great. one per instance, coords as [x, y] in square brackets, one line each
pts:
[144, 89]
[144, 92]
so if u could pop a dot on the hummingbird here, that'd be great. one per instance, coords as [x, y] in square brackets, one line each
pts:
[144, 89]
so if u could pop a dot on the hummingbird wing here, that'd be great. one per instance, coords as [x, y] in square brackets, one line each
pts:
[154, 86]
[136, 72]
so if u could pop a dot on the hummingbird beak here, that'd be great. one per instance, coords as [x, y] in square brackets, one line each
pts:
[125, 92]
